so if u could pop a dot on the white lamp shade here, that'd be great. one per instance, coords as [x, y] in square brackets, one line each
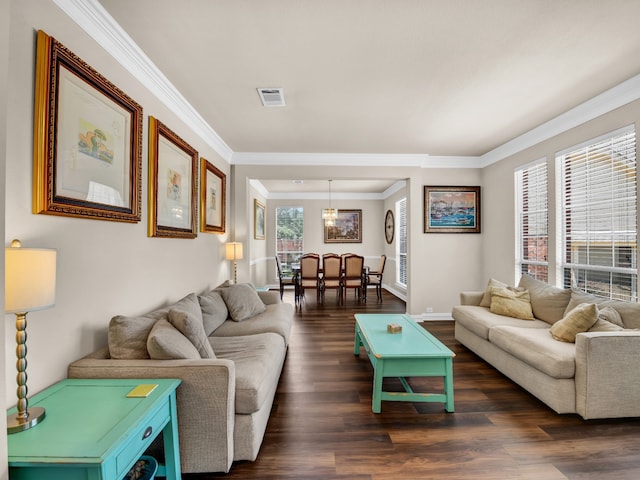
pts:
[234, 251]
[30, 279]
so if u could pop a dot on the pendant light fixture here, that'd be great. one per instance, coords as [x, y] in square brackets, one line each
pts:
[329, 214]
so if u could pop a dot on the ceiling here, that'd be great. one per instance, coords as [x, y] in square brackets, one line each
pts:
[444, 78]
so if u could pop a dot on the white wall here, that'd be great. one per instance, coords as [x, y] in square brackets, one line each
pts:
[104, 268]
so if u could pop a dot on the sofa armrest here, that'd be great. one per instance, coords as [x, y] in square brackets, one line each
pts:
[269, 297]
[471, 298]
[205, 402]
[608, 374]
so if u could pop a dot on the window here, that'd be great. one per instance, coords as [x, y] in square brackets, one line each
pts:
[401, 243]
[599, 241]
[532, 220]
[289, 235]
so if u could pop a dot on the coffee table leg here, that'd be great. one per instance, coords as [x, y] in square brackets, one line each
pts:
[376, 401]
[448, 385]
[357, 344]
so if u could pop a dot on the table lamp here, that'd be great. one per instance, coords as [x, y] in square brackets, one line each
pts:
[234, 252]
[30, 285]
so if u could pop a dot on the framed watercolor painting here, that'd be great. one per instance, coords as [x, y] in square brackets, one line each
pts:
[87, 153]
[212, 198]
[258, 220]
[172, 184]
[451, 209]
[347, 228]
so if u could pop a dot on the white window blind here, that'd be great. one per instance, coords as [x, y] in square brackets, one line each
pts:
[401, 244]
[599, 212]
[532, 221]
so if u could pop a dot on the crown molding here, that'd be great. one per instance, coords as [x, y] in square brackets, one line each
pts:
[91, 16]
[328, 159]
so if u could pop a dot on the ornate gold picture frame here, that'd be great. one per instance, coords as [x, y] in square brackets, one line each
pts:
[258, 219]
[212, 198]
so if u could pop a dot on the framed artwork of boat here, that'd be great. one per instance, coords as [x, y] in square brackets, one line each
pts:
[450, 209]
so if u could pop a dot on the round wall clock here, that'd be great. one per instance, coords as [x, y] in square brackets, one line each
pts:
[389, 226]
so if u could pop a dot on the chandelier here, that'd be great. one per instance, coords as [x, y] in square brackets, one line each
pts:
[329, 214]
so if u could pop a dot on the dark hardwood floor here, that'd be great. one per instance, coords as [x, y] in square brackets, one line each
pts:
[322, 426]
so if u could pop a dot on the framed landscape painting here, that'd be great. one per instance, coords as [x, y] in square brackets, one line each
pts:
[451, 209]
[172, 184]
[347, 228]
[87, 152]
[212, 198]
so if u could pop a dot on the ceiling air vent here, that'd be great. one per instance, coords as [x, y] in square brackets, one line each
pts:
[272, 97]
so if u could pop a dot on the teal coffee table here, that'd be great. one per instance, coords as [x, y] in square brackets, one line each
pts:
[414, 352]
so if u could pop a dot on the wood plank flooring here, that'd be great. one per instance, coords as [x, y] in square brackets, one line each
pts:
[322, 426]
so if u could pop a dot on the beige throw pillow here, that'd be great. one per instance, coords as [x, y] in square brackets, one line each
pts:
[214, 310]
[192, 328]
[609, 320]
[548, 302]
[486, 298]
[511, 302]
[165, 342]
[578, 320]
[242, 301]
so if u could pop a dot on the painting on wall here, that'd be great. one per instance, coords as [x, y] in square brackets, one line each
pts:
[212, 198]
[347, 228]
[87, 153]
[451, 209]
[172, 184]
[258, 220]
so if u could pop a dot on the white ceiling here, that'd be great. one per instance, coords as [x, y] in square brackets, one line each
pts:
[445, 78]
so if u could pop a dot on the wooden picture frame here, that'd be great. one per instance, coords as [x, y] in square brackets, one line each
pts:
[258, 219]
[347, 228]
[172, 184]
[87, 140]
[451, 209]
[212, 198]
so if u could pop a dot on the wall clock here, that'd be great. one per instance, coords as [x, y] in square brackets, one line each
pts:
[389, 226]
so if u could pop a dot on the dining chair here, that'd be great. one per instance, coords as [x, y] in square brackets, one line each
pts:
[309, 277]
[332, 275]
[285, 278]
[374, 277]
[354, 276]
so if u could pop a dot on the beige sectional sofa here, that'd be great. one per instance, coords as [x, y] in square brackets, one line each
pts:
[228, 347]
[598, 376]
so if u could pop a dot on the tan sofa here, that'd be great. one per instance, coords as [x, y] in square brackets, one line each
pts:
[598, 376]
[223, 401]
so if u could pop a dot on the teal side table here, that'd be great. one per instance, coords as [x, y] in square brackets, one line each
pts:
[93, 431]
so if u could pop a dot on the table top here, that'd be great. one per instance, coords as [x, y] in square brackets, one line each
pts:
[414, 341]
[86, 418]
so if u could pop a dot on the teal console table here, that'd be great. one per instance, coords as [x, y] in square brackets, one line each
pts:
[93, 431]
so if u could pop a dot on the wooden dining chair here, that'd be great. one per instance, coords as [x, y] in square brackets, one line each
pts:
[309, 277]
[332, 275]
[285, 278]
[374, 277]
[353, 276]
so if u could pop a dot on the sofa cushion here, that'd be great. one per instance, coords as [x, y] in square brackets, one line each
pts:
[258, 360]
[548, 303]
[578, 320]
[214, 310]
[537, 348]
[479, 320]
[629, 311]
[609, 320]
[127, 336]
[486, 298]
[511, 302]
[242, 300]
[191, 326]
[277, 318]
[165, 342]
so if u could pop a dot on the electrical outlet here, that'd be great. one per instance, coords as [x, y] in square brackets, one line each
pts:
[429, 309]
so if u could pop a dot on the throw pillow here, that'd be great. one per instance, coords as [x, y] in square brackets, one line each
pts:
[578, 320]
[165, 342]
[548, 303]
[242, 301]
[192, 328]
[486, 298]
[609, 320]
[511, 302]
[214, 311]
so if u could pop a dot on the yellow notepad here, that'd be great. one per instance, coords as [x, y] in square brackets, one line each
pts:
[142, 390]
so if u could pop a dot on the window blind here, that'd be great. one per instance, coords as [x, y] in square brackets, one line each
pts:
[599, 207]
[532, 220]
